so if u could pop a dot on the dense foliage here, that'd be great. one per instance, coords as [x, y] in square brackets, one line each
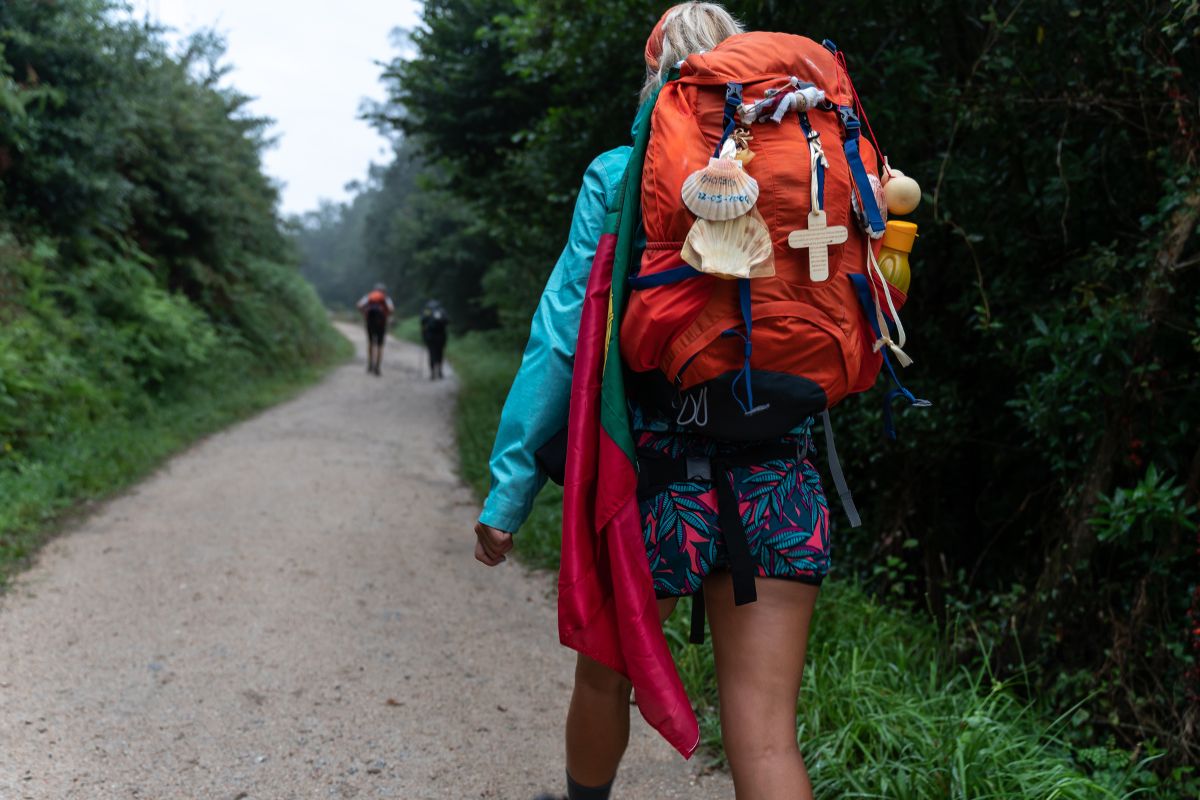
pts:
[142, 267]
[1050, 495]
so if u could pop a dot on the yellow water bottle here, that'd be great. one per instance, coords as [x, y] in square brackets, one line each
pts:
[893, 256]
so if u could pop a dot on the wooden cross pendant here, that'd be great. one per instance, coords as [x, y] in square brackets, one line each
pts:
[817, 239]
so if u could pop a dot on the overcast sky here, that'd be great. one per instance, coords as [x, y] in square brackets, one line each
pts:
[309, 64]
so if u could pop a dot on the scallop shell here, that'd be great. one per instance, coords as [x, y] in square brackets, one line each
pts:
[722, 190]
[735, 248]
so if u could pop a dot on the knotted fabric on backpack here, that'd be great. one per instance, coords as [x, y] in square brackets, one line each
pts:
[747, 358]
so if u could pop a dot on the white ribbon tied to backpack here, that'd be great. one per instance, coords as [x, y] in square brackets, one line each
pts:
[819, 235]
[777, 103]
[885, 339]
[799, 100]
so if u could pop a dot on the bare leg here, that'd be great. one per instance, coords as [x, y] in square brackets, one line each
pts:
[370, 354]
[759, 650]
[598, 720]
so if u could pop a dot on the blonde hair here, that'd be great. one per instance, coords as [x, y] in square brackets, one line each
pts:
[684, 29]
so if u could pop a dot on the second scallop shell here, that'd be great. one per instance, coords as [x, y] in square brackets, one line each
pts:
[735, 248]
[723, 190]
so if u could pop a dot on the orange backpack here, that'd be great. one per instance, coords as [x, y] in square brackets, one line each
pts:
[377, 301]
[751, 358]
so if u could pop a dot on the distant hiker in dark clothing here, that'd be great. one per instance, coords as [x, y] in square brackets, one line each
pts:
[434, 322]
[376, 308]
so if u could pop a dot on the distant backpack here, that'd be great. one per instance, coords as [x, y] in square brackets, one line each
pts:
[377, 303]
[376, 307]
[751, 358]
[433, 323]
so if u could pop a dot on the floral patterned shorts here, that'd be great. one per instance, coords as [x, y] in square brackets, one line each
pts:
[782, 505]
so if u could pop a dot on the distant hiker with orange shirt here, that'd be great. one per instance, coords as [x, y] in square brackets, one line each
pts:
[376, 308]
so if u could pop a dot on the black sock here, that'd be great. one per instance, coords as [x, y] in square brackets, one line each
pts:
[577, 792]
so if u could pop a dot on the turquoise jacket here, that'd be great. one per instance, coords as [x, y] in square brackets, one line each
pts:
[537, 404]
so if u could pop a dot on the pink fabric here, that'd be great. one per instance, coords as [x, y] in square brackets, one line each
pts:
[606, 604]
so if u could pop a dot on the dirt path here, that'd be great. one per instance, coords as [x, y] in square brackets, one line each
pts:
[290, 610]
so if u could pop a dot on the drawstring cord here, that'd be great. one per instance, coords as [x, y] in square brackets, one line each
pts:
[817, 162]
[699, 416]
[885, 339]
[840, 58]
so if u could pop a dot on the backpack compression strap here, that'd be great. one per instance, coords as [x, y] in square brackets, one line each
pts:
[862, 290]
[852, 129]
[733, 101]
[817, 154]
[858, 171]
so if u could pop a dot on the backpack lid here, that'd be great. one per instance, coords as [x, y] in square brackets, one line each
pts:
[748, 57]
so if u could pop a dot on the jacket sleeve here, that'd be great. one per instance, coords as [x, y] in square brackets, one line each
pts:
[537, 404]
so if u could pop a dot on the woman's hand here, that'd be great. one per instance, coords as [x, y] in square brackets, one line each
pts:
[492, 545]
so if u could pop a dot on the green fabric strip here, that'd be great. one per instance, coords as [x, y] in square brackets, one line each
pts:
[614, 410]
[613, 218]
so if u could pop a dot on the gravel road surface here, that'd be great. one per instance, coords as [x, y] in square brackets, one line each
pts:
[290, 609]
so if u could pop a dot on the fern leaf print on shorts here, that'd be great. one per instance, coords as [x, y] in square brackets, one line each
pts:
[782, 505]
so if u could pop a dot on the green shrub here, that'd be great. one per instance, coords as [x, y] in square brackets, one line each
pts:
[146, 290]
[103, 373]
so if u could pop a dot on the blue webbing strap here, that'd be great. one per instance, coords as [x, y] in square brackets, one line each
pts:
[810, 135]
[866, 194]
[733, 101]
[863, 290]
[748, 320]
[673, 275]
[748, 407]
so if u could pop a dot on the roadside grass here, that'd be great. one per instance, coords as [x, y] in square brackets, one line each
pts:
[485, 368]
[885, 712]
[406, 328]
[91, 463]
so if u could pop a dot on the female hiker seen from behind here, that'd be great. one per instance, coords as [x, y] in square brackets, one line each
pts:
[705, 310]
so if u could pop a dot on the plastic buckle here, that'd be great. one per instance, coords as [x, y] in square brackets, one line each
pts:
[849, 118]
[829, 45]
[699, 469]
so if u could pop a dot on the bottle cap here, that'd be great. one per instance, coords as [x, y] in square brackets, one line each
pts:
[900, 235]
